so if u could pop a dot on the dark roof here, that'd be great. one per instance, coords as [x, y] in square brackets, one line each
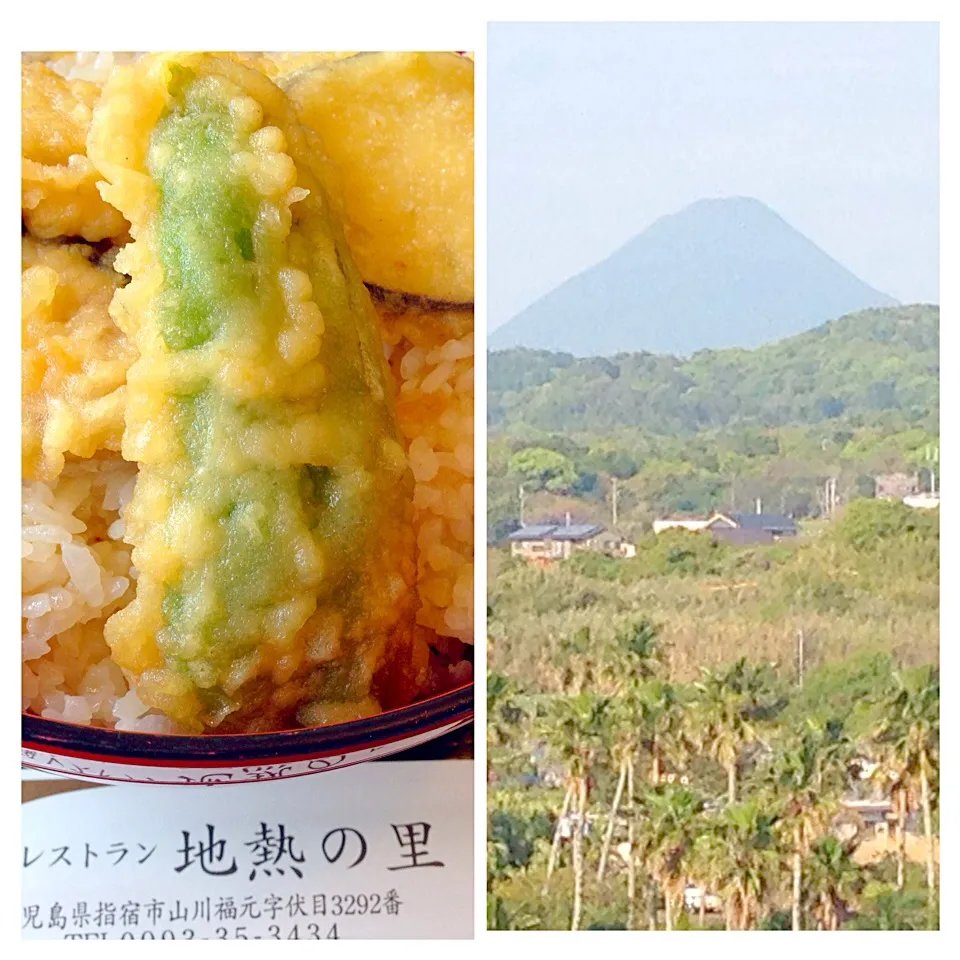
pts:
[742, 535]
[764, 521]
[575, 531]
[531, 533]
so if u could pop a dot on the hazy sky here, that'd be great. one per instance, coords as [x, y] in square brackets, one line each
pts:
[595, 130]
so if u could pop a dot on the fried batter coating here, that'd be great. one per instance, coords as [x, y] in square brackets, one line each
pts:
[75, 359]
[272, 517]
[59, 196]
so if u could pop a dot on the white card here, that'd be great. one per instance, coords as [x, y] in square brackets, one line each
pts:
[380, 850]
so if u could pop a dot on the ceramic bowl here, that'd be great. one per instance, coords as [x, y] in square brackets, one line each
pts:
[91, 753]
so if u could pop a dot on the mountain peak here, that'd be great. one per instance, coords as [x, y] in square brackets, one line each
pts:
[721, 272]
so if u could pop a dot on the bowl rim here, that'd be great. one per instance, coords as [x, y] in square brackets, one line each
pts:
[148, 749]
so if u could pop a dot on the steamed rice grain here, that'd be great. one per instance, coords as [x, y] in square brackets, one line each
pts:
[75, 573]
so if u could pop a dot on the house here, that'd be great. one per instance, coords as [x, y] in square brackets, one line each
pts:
[693, 524]
[615, 545]
[740, 528]
[755, 528]
[923, 501]
[545, 542]
[874, 817]
[895, 486]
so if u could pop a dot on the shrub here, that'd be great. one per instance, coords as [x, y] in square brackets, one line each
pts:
[866, 522]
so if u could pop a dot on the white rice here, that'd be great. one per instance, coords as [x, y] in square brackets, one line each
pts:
[431, 370]
[93, 66]
[76, 571]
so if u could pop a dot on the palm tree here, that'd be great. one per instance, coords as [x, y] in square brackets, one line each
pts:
[806, 778]
[500, 690]
[834, 880]
[579, 663]
[621, 746]
[835, 752]
[574, 728]
[729, 707]
[661, 718]
[642, 649]
[639, 656]
[631, 859]
[741, 847]
[668, 824]
[909, 735]
[707, 863]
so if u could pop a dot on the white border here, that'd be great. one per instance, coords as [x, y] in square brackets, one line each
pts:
[294, 25]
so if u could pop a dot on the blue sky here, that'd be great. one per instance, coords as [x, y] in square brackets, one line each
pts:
[596, 130]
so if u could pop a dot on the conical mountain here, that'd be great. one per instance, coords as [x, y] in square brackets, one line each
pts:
[720, 273]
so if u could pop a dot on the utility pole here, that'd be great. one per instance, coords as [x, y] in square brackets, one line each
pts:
[933, 457]
[522, 499]
[615, 493]
[830, 496]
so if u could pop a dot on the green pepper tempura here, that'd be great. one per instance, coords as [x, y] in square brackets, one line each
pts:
[271, 518]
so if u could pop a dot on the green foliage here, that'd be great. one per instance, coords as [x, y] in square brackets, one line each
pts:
[639, 643]
[883, 907]
[861, 368]
[865, 523]
[851, 400]
[845, 690]
[596, 566]
[617, 686]
[512, 839]
[544, 469]
[684, 658]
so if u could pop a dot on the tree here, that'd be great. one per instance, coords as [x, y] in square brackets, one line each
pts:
[739, 844]
[579, 661]
[667, 826]
[729, 706]
[640, 650]
[909, 735]
[621, 746]
[834, 879]
[543, 468]
[866, 522]
[499, 688]
[639, 655]
[573, 726]
[833, 753]
[797, 778]
[661, 719]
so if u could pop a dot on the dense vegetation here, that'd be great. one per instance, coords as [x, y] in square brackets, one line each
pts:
[699, 748]
[852, 399]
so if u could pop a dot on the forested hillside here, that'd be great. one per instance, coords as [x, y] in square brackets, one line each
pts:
[852, 399]
[870, 367]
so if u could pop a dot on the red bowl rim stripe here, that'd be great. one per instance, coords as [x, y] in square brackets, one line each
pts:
[219, 750]
[354, 760]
